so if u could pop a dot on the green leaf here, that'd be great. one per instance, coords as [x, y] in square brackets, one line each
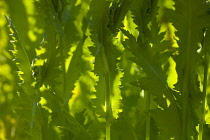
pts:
[193, 18]
[62, 120]
[151, 59]
[22, 60]
[118, 12]
[74, 70]
[49, 73]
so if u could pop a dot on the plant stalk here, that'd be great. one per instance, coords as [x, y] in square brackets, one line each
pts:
[108, 106]
[187, 74]
[108, 90]
[200, 136]
[185, 107]
[147, 97]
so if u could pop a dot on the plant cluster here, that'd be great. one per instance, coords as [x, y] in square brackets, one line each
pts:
[104, 69]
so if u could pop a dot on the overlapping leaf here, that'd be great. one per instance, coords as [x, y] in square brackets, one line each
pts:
[151, 60]
[193, 19]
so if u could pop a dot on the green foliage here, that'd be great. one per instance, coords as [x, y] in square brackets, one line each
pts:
[104, 69]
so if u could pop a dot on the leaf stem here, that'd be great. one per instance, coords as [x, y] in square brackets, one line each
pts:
[63, 68]
[108, 105]
[147, 97]
[108, 91]
[187, 74]
[200, 136]
[185, 106]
